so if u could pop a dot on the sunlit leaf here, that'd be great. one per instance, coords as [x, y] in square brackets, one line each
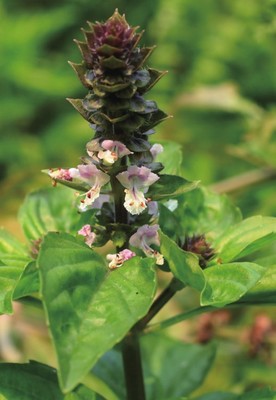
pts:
[89, 307]
[48, 210]
[227, 283]
[246, 237]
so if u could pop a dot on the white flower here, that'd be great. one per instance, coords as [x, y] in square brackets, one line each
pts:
[60, 173]
[145, 236]
[95, 178]
[136, 180]
[156, 149]
[117, 260]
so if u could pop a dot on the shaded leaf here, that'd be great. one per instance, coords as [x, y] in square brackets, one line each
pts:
[218, 396]
[227, 283]
[169, 186]
[88, 306]
[183, 264]
[30, 381]
[9, 276]
[159, 354]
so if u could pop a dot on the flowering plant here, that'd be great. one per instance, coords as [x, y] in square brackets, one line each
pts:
[148, 219]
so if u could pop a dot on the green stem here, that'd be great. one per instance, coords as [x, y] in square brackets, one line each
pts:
[130, 345]
[187, 315]
[159, 303]
[133, 367]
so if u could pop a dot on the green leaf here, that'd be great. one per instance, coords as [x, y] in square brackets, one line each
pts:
[33, 380]
[10, 246]
[13, 259]
[227, 283]
[246, 237]
[171, 157]
[169, 186]
[8, 279]
[89, 307]
[218, 396]
[265, 289]
[28, 282]
[261, 394]
[48, 210]
[174, 368]
[183, 264]
[159, 354]
[202, 211]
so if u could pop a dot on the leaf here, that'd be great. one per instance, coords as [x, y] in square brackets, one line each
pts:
[218, 396]
[265, 289]
[261, 394]
[246, 237]
[227, 283]
[28, 282]
[202, 211]
[173, 368]
[159, 354]
[183, 264]
[11, 246]
[30, 381]
[8, 278]
[171, 157]
[169, 186]
[87, 306]
[13, 259]
[48, 210]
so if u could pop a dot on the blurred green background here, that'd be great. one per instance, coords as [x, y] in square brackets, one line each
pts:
[221, 90]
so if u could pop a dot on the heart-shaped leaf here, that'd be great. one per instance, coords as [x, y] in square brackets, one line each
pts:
[89, 308]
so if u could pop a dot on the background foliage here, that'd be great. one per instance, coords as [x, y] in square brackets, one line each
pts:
[220, 88]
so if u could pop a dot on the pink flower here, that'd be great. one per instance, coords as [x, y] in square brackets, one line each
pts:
[88, 234]
[95, 178]
[117, 260]
[108, 151]
[145, 236]
[136, 180]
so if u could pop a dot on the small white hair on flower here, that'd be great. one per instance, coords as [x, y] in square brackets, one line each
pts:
[117, 260]
[95, 178]
[88, 234]
[145, 236]
[108, 151]
[136, 180]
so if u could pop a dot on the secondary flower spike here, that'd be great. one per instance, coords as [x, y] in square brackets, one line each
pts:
[93, 177]
[145, 236]
[136, 180]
